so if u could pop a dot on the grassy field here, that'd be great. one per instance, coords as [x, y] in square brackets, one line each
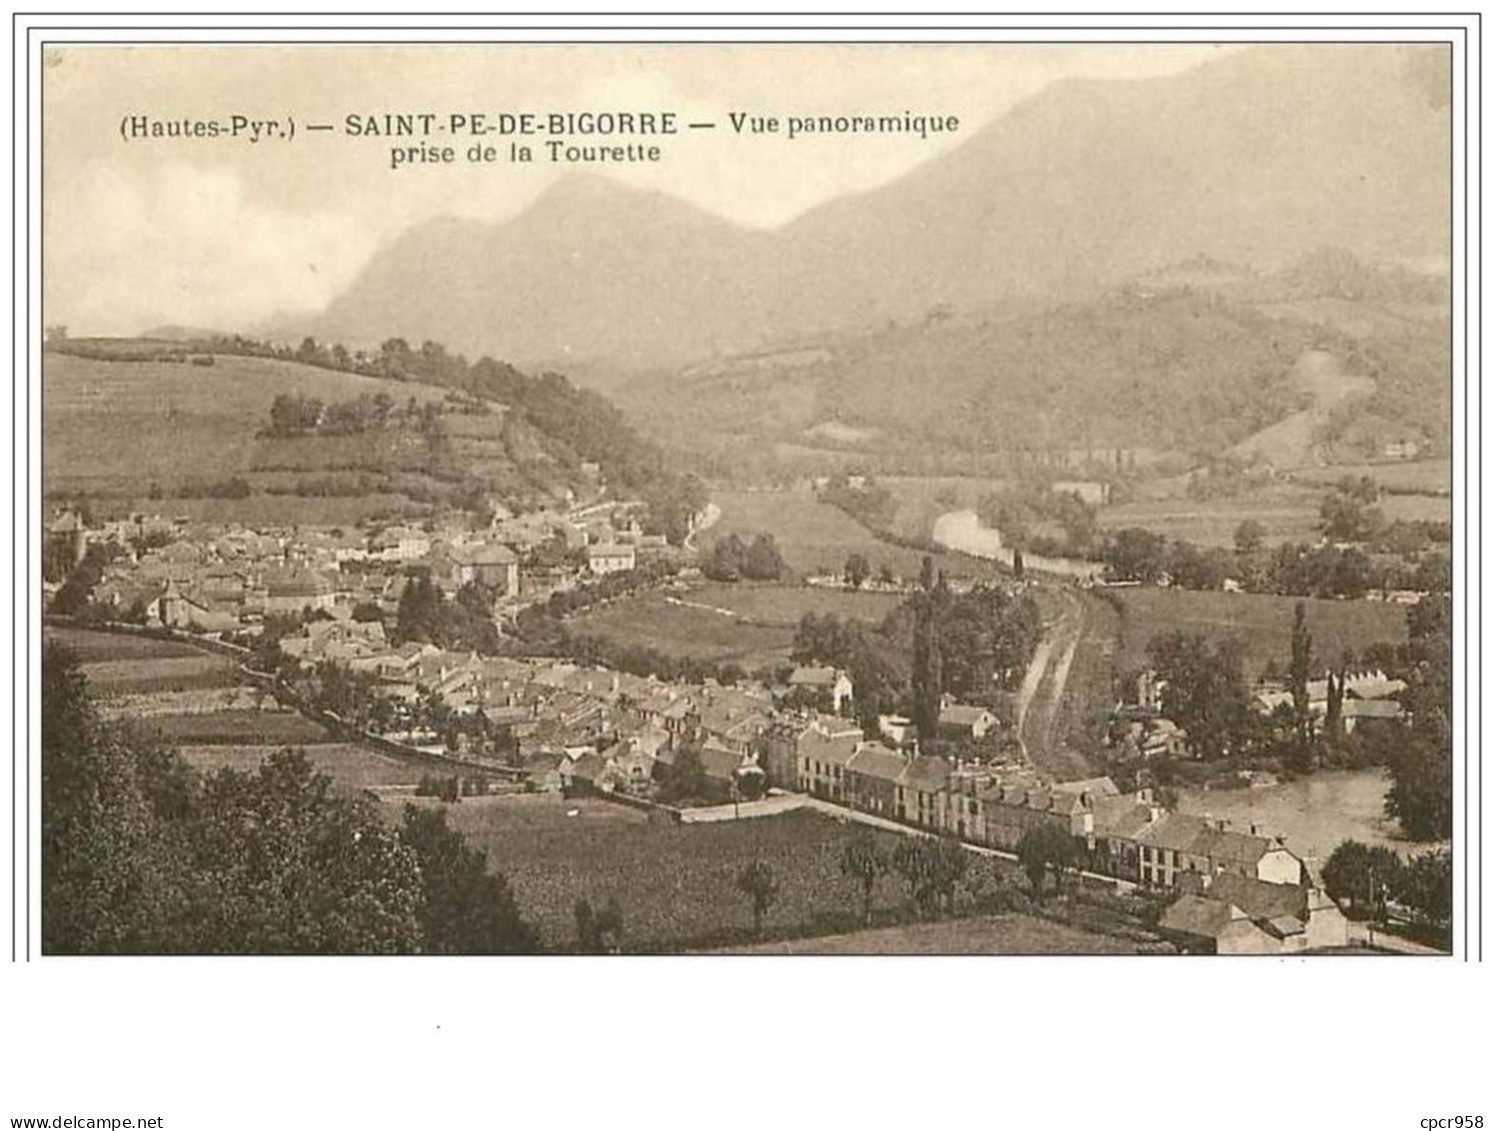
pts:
[703, 627]
[260, 510]
[1288, 513]
[352, 766]
[817, 538]
[652, 622]
[98, 647]
[116, 430]
[676, 883]
[787, 604]
[140, 421]
[240, 728]
[990, 934]
[1430, 476]
[1263, 624]
[169, 673]
[1417, 508]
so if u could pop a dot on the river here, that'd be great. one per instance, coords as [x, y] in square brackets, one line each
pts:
[961, 530]
[1315, 813]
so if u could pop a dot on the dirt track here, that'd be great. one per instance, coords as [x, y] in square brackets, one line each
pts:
[1041, 698]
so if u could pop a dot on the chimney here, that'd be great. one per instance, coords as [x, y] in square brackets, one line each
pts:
[1156, 814]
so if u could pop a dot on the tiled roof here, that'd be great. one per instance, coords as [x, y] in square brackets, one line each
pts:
[1197, 915]
[876, 761]
[1179, 832]
[1257, 898]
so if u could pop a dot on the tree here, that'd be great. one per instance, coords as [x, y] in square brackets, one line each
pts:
[1205, 690]
[1044, 848]
[599, 932]
[758, 883]
[763, 561]
[1298, 669]
[1347, 512]
[726, 560]
[932, 869]
[685, 779]
[1250, 536]
[1420, 795]
[145, 856]
[928, 666]
[910, 863]
[464, 909]
[1362, 875]
[857, 570]
[1134, 554]
[1333, 720]
[863, 861]
[366, 612]
[1423, 886]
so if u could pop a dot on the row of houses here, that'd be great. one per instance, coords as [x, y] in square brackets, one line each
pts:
[217, 578]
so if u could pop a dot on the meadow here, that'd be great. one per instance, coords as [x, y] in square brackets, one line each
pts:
[651, 621]
[816, 538]
[1429, 476]
[787, 604]
[1261, 622]
[144, 674]
[124, 431]
[353, 767]
[1288, 513]
[986, 934]
[675, 883]
[143, 421]
[750, 624]
[93, 647]
[240, 728]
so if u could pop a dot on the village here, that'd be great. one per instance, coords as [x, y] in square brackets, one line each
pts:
[310, 611]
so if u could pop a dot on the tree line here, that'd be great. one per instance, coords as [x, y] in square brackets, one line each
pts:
[583, 426]
[1206, 694]
[142, 854]
[968, 644]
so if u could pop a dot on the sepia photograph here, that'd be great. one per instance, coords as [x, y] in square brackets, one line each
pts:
[709, 498]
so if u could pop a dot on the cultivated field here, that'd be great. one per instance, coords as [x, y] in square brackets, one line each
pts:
[93, 647]
[354, 767]
[816, 538]
[787, 604]
[141, 421]
[1430, 476]
[1289, 514]
[260, 510]
[1262, 623]
[119, 430]
[752, 625]
[142, 675]
[652, 622]
[675, 883]
[989, 934]
[237, 728]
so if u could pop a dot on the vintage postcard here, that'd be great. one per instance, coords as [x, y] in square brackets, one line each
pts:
[762, 498]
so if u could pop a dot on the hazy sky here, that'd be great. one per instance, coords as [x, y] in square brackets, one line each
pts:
[215, 233]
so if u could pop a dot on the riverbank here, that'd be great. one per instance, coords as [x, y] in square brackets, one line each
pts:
[1315, 813]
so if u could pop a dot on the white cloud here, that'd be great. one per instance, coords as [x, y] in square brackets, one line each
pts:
[185, 244]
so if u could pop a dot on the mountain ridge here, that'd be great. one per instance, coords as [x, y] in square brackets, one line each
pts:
[1249, 158]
